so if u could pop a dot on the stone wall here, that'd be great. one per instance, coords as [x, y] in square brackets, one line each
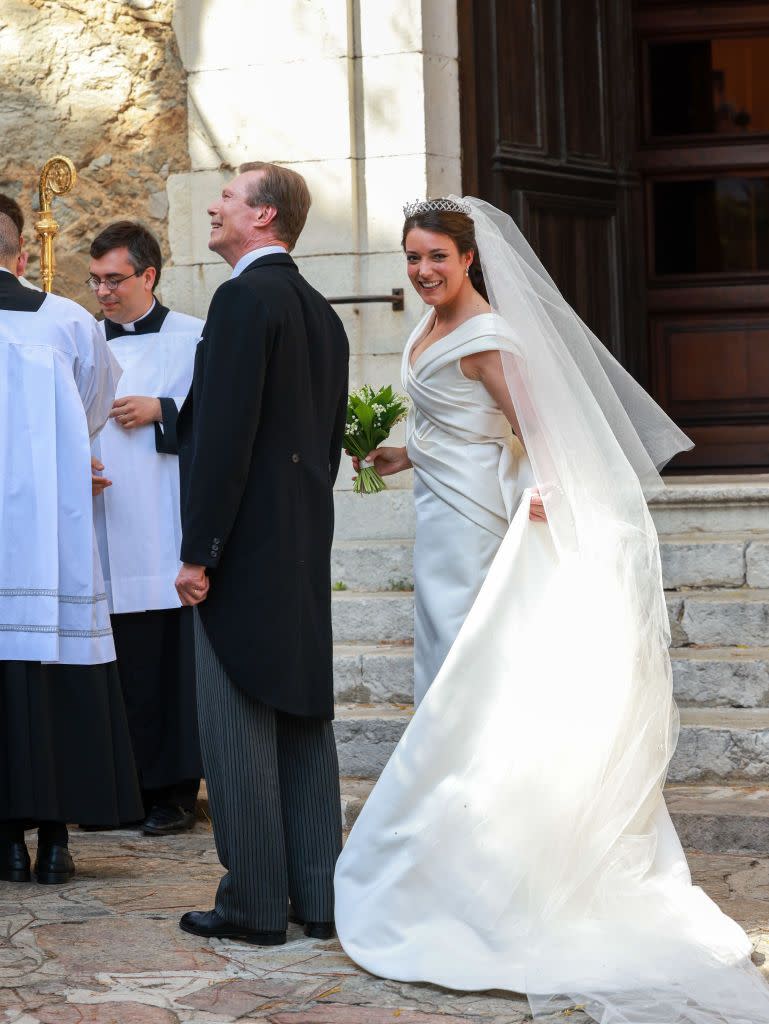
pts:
[101, 82]
[362, 98]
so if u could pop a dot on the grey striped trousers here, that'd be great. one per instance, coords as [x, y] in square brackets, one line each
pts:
[273, 786]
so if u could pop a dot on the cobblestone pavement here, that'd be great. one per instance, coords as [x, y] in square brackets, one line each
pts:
[106, 949]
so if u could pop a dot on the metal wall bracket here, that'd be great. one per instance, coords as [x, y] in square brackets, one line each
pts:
[395, 298]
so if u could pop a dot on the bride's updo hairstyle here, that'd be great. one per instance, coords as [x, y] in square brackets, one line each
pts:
[445, 217]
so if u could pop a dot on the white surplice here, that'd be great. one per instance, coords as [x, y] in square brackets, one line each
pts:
[469, 475]
[58, 387]
[138, 523]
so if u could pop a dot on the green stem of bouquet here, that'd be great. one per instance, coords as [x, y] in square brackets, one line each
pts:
[368, 481]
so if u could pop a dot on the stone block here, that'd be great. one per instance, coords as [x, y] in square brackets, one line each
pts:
[382, 674]
[757, 558]
[188, 289]
[675, 611]
[293, 124]
[724, 677]
[204, 156]
[189, 197]
[372, 618]
[365, 739]
[441, 87]
[383, 330]
[726, 618]
[332, 221]
[393, 104]
[720, 819]
[720, 746]
[258, 32]
[712, 505]
[394, 27]
[691, 562]
[440, 29]
[373, 565]
[355, 792]
[393, 518]
[444, 175]
[391, 181]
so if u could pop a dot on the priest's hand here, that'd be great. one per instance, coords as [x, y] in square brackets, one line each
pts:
[192, 584]
[98, 483]
[136, 411]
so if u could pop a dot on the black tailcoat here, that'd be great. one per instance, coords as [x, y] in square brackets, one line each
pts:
[260, 437]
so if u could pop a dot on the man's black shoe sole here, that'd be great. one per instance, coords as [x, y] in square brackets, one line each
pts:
[313, 929]
[252, 938]
[54, 877]
[16, 875]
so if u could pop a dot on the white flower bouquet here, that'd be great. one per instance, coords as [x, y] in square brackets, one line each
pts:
[371, 415]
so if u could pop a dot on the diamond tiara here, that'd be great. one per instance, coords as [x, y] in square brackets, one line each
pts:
[425, 205]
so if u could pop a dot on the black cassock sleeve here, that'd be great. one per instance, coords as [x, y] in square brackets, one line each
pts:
[228, 401]
[166, 441]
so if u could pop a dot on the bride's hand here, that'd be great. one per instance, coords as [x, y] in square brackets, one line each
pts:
[386, 461]
[537, 508]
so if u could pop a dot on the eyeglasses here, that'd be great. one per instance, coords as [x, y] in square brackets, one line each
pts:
[110, 283]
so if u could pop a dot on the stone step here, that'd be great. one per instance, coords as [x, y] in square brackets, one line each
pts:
[708, 504]
[712, 504]
[713, 618]
[366, 737]
[721, 676]
[719, 819]
[381, 674]
[688, 560]
[722, 745]
[385, 516]
[355, 793]
[715, 559]
[715, 744]
[710, 819]
[719, 618]
[373, 564]
[727, 677]
[372, 618]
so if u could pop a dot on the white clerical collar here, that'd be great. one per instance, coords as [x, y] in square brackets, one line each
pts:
[255, 254]
[7, 271]
[131, 327]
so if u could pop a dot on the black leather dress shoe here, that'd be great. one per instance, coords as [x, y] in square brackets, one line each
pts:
[313, 929]
[166, 820]
[14, 862]
[208, 924]
[54, 865]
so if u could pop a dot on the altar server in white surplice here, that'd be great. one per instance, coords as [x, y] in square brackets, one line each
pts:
[65, 749]
[138, 521]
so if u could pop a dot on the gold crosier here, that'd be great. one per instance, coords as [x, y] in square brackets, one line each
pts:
[56, 179]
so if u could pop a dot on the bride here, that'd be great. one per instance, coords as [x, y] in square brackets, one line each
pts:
[518, 838]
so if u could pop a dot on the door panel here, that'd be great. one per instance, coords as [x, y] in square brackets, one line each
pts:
[548, 134]
[704, 93]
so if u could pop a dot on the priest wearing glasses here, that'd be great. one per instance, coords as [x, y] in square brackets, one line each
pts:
[138, 521]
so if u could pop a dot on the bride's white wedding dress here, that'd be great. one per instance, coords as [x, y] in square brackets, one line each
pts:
[469, 475]
[518, 837]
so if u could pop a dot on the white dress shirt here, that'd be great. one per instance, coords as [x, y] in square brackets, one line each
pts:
[255, 254]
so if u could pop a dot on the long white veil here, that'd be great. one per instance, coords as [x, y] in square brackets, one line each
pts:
[596, 441]
[518, 837]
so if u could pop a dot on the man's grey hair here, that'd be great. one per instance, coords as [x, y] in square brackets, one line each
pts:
[10, 239]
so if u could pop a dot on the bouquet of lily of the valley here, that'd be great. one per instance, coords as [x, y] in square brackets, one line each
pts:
[371, 415]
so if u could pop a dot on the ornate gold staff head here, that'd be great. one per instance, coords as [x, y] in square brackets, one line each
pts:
[57, 177]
